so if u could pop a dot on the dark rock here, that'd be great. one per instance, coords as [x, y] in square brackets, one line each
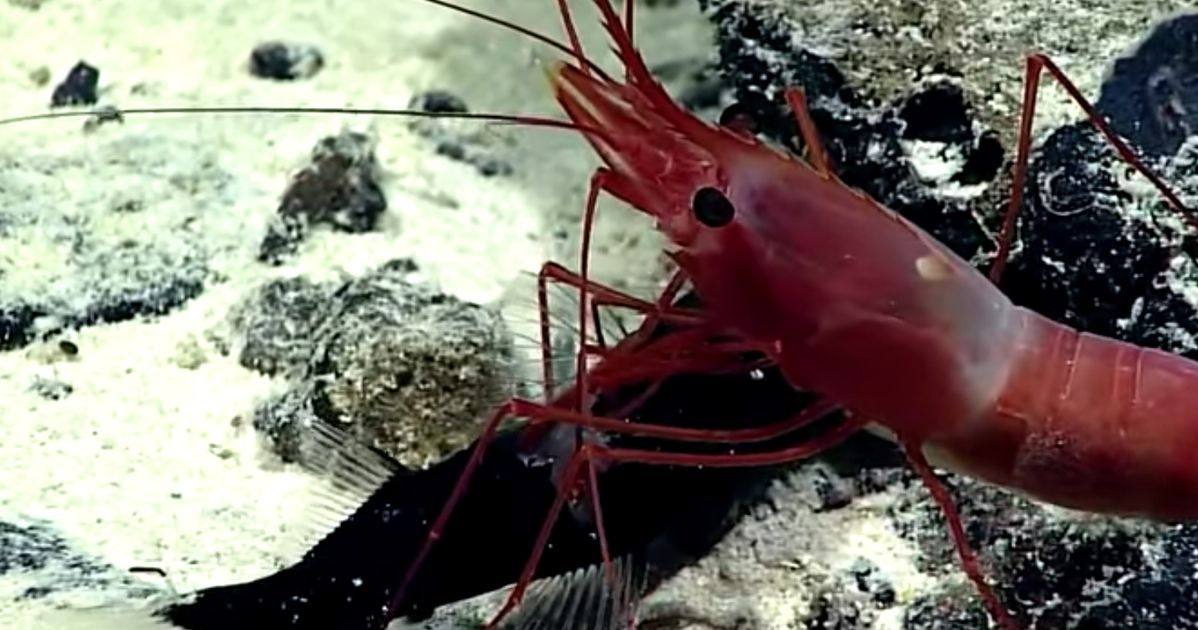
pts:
[982, 162]
[1054, 572]
[869, 579]
[438, 101]
[837, 608]
[937, 113]
[37, 562]
[339, 188]
[78, 88]
[457, 139]
[137, 244]
[121, 284]
[1150, 93]
[824, 489]
[16, 325]
[285, 61]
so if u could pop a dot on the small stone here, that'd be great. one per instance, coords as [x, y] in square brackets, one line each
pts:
[51, 389]
[870, 580]
[456, 139]
[40, 76]
[438, 101]
[101, 116]
[338, 188]
[32, 5]
[78, 88]
[938, 113]
[285, 61]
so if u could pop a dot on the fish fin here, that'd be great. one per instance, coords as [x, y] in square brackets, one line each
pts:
[584, 599]
[349, 472]
[101, 618]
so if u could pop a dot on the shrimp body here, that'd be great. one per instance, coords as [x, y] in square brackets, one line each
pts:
[859, 305]
[1090, 423]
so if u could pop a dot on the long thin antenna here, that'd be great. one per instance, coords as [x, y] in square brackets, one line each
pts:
[577, 54]
[533, 121]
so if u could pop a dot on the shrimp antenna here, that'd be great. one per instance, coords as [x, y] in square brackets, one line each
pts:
[575, 51]
[513, 119]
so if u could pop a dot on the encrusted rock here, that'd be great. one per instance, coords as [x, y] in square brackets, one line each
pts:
[404, 367]
[276, 325]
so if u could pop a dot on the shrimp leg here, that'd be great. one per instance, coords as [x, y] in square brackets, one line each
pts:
[965, 552]
[817, 156]
[655, 312]
[590, 454]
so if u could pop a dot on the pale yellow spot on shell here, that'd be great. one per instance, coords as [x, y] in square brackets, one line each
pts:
[932, 268]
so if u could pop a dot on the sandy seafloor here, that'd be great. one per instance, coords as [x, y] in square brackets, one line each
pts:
[142, 464]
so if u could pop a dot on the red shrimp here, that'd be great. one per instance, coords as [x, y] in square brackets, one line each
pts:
[855, 303]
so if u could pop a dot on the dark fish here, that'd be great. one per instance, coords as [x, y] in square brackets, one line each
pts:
[658, 519]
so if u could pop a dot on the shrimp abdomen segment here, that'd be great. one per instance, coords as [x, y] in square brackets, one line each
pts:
[1092, 423]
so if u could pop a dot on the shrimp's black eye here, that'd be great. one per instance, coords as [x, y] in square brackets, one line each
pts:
[712, 208]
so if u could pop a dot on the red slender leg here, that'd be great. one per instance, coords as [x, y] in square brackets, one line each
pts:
[601, 531]
[603, 295]
[455, 495]
[968, 558]
[816, 155]
[598, 182]
[808, 415]
[551, 413]
[1037, 63]
[589, 453]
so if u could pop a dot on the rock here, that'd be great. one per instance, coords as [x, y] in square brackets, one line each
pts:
[78, 88]
[37, 562]
[51, 389]
[464, 141]
[405, 368]
[340, 188]
[438, 101]
[285, 61]
[1054, 568]
[276, 325]
[137, 246]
